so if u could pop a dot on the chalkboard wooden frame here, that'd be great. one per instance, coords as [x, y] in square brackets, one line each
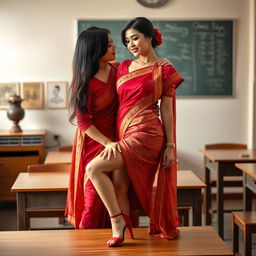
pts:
[213, 43]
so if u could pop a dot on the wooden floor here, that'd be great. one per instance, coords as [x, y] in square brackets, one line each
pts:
[193, 241]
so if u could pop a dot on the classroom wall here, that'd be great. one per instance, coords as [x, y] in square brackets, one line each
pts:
[37, 41]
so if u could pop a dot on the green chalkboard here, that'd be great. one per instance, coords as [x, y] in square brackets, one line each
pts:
[201, 51]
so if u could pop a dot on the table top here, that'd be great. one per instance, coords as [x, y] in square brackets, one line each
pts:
[193, 241]
[41, 181]
[250, 169]
[23, 133]
[229, 155]
[186, 179]
[57, 157]
[58, 181]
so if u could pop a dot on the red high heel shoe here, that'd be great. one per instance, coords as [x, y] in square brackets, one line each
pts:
[119, 240]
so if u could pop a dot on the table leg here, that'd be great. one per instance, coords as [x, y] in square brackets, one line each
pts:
[197, 208]
[247, 195]
[21, 218]
[235, 236]
[247, 242]
[208, 217]
[220, 203]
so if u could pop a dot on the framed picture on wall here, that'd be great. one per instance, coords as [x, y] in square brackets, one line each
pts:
[32, 94]
[7, 90]
[56, 92]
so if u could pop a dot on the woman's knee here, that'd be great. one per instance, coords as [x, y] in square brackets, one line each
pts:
[91, 170]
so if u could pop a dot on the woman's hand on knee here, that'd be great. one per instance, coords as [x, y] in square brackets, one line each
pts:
[110, 150]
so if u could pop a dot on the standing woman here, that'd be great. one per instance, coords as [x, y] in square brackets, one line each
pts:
[94, 105]
[148, 146]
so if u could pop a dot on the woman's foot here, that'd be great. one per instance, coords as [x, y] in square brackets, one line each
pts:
[118, 229]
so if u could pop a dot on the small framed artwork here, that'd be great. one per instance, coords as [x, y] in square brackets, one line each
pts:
[32, 94]
[7, 90]
[56, 94]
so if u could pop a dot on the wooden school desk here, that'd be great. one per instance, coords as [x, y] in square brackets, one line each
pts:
[193, 241]
[222, 161]
[189, 193]
[58, 157]
[48, 190]
[39, 190]
[191, 185]
[249, 183]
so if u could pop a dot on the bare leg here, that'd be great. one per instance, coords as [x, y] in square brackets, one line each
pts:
[97, 171]
[121, 184]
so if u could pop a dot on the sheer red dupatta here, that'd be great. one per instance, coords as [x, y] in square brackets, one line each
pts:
[164, 215]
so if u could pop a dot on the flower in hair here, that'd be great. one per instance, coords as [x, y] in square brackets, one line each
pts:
[158, 36]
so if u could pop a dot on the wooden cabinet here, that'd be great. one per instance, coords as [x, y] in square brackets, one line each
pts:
[17, 151]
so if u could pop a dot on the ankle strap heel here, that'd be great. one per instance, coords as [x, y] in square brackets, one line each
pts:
[117, 241]
[129, 224]
[114, 216]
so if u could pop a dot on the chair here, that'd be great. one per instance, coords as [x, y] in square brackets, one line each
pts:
[65, 148]
[233, 182]
[35, 213]
[246, 221]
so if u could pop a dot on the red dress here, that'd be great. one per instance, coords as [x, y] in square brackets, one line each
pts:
[84, 207]
[142, 138]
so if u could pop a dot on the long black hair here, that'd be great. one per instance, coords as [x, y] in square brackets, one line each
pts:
[144, 26]
[91, 45]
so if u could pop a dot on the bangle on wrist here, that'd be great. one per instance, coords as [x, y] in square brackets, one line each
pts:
[170, 145]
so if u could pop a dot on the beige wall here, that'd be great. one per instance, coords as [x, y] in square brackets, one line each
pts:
[37, 40]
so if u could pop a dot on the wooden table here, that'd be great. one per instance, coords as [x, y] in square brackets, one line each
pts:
[48, 190]
[189, 193]
[57, 157]
[223, 163]
[249, 183]
[39, 190]
[193, 241]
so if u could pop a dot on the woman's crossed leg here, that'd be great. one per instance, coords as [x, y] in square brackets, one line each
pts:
[115, 200]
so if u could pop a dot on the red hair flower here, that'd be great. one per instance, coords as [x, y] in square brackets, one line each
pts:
[158, 36]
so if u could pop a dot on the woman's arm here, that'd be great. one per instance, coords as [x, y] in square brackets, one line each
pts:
[85, 123]
[96, 135]
[167, 119]
[110, 147]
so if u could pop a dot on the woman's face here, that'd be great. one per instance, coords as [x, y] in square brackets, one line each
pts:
[137, 43]
[110, 55]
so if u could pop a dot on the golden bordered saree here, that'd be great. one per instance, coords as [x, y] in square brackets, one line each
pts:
[142, 138]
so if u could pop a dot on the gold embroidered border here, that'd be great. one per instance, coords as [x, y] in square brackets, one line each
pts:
[172, 79]
[157, 79]
[140, 106]
[143, 118]
[79, 147]
[133, 74]
[71, 219]
[132, 113]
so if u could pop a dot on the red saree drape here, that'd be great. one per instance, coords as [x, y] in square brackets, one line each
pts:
[142, 138]
[84, 207]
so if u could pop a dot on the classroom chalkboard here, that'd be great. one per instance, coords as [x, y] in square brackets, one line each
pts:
[201, 51]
